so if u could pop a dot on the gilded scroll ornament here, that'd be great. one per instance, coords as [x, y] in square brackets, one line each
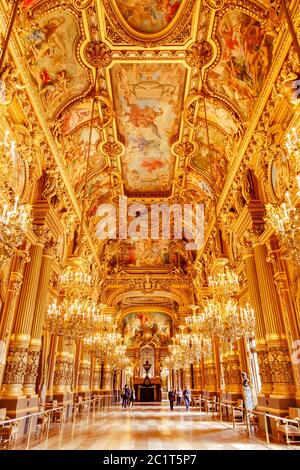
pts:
[16, 365]
[97, 54]
[199, 54]
[33, 360]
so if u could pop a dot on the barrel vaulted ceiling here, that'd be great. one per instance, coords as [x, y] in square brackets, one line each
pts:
[174, 77]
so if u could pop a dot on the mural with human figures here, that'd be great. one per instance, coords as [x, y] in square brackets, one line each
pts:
[146, 326]
[247, 49]
[148, 103]
[148, 252]
[49, 47]
[148, 16]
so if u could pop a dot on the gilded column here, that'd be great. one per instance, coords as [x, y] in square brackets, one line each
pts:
[16, 363]
[260, 329]
[11, 298]
[107, 377]
[278, 356]
[84, 374]
[34, 350]
[63, 376]
[187, 379]
[210, 378]
[51, 366]
[197, 378]
[289, 316]
[232, 374]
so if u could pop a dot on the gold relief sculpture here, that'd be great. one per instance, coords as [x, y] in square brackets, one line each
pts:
[62, 372]
[10, 83]
[97, 54]
[84, 375]
[279, 173]
[16, 365]
[32, 366]
[264, 366]
[280, 365]
[199, 54]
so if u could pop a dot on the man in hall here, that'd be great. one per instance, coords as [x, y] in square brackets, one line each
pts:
[171, 396]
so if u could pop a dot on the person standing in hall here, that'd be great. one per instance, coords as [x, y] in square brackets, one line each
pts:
[171, 396]
[131, 398]
[179, 397]
[125, 396]
[187, 398]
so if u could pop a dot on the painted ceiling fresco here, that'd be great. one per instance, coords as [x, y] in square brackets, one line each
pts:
[49, 49]
[151, 100]
[148, 100]
[145, 326]
[245, 60]
[76, 151]
[149, 252]
[148, 16]
[76, 116]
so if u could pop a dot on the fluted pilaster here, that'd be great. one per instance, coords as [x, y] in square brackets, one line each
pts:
[37, 326]
[18, 349]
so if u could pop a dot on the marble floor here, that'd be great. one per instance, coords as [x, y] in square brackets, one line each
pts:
[154, 427]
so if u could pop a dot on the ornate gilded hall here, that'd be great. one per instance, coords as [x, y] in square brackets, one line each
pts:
[149, 224]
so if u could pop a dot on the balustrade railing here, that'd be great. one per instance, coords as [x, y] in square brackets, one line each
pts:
[40, 425]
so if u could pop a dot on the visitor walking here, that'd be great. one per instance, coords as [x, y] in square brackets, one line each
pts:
[125, 396]
[131, 398]
[187, 398]
[178, 397]
[171, 396]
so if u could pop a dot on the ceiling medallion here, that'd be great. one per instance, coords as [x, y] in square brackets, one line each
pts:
[97, 54]
[199, 54]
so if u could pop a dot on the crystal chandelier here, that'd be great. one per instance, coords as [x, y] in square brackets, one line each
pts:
[15, 220]
[197, 321]
[225, 283]
[201, 346]
[96, 345]
[236, 322]
[223, 317]
[72, 318]
[76, 278]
